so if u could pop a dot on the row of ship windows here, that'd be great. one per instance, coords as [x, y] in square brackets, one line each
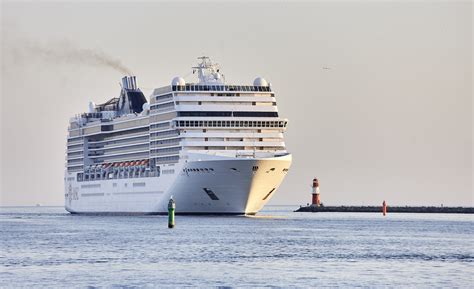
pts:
[172, 150]
[186, 170]
[129, 132]
[128, 148]
[200, 87]
[74, 139]
[227, 103]
[170, 105]
[160, 125]
[128, 142]
[229, 123]
[164, 97]
[103, 175]
[238, 148]
[229, 113]
[166, 160]
[164, 133]
[117, 138]
[162, 106]
[122, 157]
[75, 146]
[166, 141]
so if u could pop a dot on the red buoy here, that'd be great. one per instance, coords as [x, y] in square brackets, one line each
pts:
[384, 208]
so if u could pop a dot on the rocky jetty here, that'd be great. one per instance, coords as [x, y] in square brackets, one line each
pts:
[378, 209]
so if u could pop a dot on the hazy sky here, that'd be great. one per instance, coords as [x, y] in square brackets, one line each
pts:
[391, 119]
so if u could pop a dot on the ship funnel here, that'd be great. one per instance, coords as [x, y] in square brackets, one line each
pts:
[134, 81]
[125, 82]
[129, 82]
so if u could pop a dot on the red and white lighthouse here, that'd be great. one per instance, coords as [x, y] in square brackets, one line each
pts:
[316, 201]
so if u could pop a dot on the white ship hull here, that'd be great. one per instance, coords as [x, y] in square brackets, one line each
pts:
[233, 186]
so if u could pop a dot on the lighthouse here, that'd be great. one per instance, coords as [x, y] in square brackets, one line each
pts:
[316, 201]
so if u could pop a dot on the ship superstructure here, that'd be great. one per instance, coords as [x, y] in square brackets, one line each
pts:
[213, 147]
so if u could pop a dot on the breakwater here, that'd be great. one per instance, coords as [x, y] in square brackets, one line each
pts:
[395, 209]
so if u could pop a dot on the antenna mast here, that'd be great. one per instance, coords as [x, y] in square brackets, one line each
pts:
[208, 72]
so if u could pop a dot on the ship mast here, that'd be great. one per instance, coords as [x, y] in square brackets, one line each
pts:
[208, 72]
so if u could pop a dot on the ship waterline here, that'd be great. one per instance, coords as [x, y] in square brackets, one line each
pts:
[214, 148]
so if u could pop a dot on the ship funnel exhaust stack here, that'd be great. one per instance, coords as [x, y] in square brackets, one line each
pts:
[131, 98]
[129, 83]
[124, 82]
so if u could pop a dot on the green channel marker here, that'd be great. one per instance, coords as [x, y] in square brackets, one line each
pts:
[171, 208]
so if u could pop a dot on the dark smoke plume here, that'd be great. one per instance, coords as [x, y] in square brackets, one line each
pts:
[66, 52]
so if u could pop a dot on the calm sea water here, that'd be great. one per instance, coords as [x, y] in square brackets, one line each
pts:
[45, 246]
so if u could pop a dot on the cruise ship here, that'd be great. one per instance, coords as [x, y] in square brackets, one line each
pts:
[213, 147]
